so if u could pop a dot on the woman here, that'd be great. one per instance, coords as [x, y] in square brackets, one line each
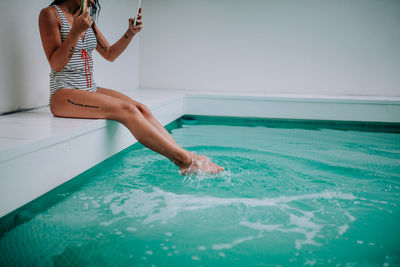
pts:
[68, 39]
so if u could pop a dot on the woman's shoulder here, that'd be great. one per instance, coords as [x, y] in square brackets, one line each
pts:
[49, 10]
[50, 15]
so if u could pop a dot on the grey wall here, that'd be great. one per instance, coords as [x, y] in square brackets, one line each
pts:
[328, 47]
[24, 70]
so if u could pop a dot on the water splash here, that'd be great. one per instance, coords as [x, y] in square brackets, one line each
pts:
[198, 179]
[161, 206]
[201, 165]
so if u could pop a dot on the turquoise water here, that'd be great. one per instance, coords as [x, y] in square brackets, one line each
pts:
[288, 197]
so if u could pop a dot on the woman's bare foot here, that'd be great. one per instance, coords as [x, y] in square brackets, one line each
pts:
[200, 164]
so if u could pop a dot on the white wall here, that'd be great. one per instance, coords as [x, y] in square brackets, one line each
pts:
[24, 70]
[333, 47]
[123, 73]
[345, 47]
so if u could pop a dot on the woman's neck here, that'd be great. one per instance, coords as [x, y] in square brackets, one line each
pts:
[69, 6]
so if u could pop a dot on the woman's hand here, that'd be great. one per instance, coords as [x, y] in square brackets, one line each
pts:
[139, 24]
[82, 22]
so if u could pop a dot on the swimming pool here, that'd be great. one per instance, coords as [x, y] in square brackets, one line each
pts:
[293, 193]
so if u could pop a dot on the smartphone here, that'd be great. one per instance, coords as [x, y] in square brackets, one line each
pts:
[139, 4]
[83, 6]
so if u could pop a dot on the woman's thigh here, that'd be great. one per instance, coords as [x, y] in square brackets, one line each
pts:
[75, 103]
[117, 95]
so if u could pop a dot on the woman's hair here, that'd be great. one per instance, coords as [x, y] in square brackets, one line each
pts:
[94, 9]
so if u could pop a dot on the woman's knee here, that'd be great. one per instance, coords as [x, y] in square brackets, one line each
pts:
[144, 110]
[126, 110]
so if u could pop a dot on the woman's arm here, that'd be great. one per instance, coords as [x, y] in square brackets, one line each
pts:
[112, 52]
[59, 53]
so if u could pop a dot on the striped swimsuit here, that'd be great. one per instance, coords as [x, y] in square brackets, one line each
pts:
[78, 73]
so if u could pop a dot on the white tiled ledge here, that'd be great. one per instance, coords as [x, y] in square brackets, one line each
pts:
[298, 97]
[312, 107]
[24, 132]
[38, 152]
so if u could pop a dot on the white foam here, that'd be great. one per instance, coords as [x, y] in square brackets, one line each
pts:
[342, 229]
[261, 227]
[161, 206]
[110, 197]
[234, 243]
[106, 223]
[138, 203]
[307, 227]
[352, 218]
[310, 262]
[379, 201]
[304, 226]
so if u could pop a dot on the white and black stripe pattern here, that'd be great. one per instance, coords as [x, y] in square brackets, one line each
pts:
[73, 75]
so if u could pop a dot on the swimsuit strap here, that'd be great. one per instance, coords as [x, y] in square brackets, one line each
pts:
[61, 14]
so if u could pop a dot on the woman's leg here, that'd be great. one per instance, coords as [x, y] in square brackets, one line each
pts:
[73, 103]
[145, 110]
[148, 115]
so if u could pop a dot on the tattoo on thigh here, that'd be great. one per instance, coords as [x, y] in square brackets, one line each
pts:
[81, 105]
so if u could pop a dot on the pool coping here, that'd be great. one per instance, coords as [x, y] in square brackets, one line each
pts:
[39, 162]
